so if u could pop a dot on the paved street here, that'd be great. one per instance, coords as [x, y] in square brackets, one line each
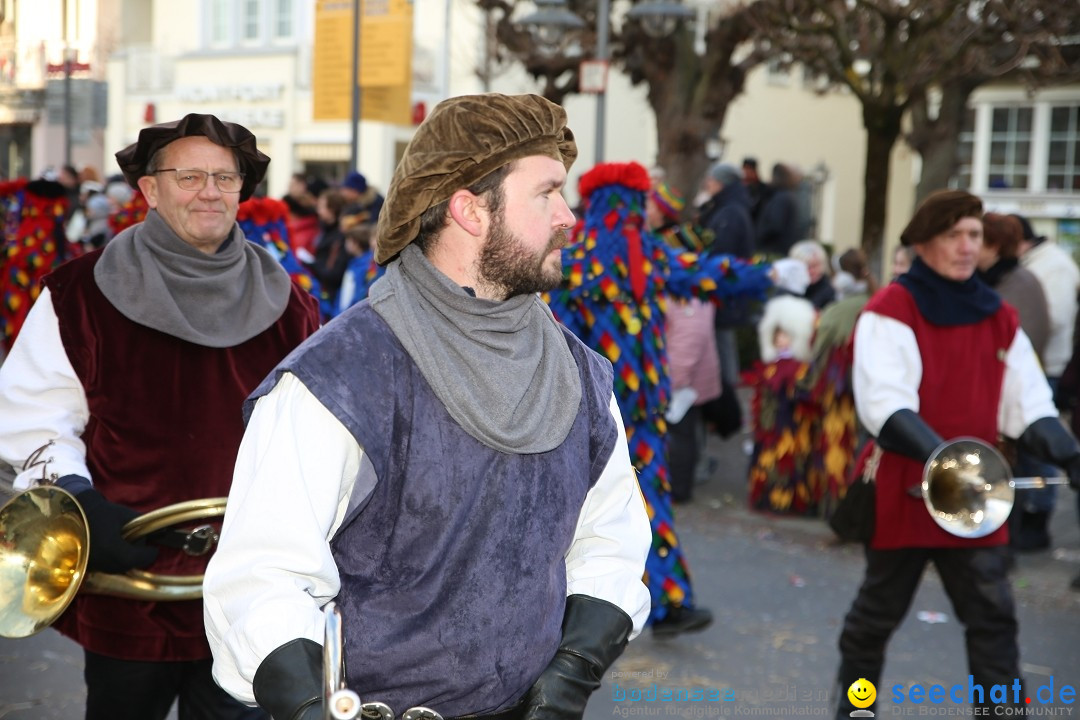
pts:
[779, 589]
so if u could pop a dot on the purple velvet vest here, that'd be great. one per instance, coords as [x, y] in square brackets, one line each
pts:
[165, 424]
[453, 575]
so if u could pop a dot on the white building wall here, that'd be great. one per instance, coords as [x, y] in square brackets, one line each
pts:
[778, 119]
[774, 121]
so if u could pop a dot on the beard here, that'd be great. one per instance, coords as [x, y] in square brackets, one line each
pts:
[507, 265]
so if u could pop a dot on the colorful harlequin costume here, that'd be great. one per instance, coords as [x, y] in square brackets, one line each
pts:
[361, 273]
[784, 477]
[265, 223]
[130, 213]
[617, 277]
[836, 437]
[34, 244]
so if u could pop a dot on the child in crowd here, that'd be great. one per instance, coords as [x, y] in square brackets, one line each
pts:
[783, 477]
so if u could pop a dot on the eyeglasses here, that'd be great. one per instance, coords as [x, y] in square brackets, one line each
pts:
[226, 182]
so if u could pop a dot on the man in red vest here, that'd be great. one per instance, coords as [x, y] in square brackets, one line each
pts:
[131, 369]
[939, 355]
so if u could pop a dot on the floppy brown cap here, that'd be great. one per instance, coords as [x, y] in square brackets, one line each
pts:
[938, 212]
[253, 164]
[464, 139]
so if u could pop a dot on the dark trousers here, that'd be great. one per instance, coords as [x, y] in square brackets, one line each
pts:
[684, 441]
[134, 690]
[976, 582]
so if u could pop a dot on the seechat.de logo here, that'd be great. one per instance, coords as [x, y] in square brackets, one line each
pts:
[862, 695]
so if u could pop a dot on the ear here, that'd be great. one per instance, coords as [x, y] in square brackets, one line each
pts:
[469, 211]
[148, 186]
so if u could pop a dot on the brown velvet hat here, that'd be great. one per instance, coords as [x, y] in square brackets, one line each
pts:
[464, 139]
[253, 164]
[938, 212]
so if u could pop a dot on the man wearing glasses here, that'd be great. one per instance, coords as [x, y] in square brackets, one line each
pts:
[132, 368]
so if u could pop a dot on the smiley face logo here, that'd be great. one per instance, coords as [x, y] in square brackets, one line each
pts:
[862, 693]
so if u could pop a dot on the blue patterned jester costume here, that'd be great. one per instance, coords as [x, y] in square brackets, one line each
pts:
[616, 280]
[263, 221]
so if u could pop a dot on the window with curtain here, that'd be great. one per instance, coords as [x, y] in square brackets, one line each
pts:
[283, 19]
[219, 22]
[251, 16]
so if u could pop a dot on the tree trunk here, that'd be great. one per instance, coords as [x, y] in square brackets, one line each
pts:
[681, 151]
[937, 139]
[689, 95]
[882, 130]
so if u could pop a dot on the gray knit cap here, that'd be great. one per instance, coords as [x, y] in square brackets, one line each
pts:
[725, 173]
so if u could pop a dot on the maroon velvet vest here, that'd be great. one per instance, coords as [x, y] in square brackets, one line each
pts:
[963, 368]
[165, 425]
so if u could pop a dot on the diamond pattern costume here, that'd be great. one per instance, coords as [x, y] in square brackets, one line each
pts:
[616, 280]
[33, 245]
[265, 223]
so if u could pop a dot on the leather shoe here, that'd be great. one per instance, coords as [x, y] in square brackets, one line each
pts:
[682, 619]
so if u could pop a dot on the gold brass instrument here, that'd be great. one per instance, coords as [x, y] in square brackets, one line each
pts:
[44, 546]
[341, 703]
[968, 487]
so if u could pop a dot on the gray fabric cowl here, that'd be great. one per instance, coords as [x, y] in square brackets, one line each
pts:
[156, 279]
[502, 369]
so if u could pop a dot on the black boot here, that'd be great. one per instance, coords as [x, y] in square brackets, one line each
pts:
[1031, 533]
[681, 619]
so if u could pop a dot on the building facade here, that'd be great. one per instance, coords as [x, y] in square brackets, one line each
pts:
[138, 62]
[52, 84]
[1020, 152]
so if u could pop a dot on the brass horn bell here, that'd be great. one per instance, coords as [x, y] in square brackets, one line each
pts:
[44, 546]
[966, 487]
[969, 489]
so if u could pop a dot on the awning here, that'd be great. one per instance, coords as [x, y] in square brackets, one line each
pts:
[323, 152]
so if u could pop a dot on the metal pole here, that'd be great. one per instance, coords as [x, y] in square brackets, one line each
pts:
[67, 88]
[602, 11]
[446, 48]
[354, 148]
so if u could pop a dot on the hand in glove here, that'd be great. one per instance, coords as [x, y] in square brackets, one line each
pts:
[109, 551]
[1073, 471]
[595, 632]
[907, 434]
[1048, 439]
[289, 681]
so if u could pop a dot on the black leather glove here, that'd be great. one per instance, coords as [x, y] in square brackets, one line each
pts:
[1047, 438]
[1064, 397]
[595, 633]
[109, 551]
[907, 434]
[289, 681]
